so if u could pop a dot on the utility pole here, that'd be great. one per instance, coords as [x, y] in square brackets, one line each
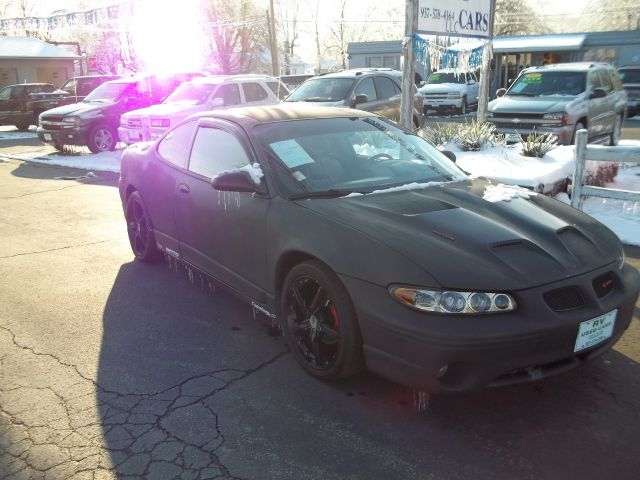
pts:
[273, 41]
[409, 63]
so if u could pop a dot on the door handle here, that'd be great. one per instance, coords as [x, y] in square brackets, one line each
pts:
[184, 188]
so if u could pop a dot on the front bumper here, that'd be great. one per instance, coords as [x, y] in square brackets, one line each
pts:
[449, 353]
[564, 134]
[134, 135]
[64, 135]
[435, 103]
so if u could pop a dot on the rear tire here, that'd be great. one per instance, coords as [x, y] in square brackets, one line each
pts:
[579, 126]
[102, 138]
[23, 127]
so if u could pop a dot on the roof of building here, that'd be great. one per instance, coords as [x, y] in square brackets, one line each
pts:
[538, 43]
[32, 48]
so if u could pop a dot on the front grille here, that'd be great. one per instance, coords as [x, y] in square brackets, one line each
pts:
[518, 126]
[433, 96]
[528, 116]
[563, 299]
[52, 118]
[604, 284]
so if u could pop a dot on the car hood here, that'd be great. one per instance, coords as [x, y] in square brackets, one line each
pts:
[466, 242]
[339, 103]
[521, 104]
[166, 110]
[77, 108]
[442, 88]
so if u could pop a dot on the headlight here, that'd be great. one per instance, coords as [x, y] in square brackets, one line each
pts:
[71, 121]
[449, 301]
[160, 122]
[560, 116]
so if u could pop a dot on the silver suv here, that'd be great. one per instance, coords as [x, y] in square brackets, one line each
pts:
[561, 99]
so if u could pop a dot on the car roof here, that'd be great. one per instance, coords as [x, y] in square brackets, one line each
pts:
[568, 67]
[357, 72]
[215, 79]
[250, 116]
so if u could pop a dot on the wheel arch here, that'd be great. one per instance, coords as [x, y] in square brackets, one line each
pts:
[286, 262]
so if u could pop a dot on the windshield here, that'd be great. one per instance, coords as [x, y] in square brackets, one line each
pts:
[630, 76]
[322, 90]
[348, 155]
[190, 94]
[536, 84]
[446, 78]
[107, 92]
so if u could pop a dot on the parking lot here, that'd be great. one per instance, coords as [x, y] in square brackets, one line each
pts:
[110, 368]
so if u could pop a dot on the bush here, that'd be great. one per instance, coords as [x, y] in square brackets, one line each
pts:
[472, 136]
[601, 174]
[537, 144]
[440, 134]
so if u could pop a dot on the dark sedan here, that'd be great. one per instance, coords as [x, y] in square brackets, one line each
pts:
[371, 248]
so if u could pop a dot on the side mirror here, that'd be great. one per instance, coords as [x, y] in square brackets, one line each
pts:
[237, 181]
[422, 84]
[500, 92]
[449, 154]
[362, 98]
[216, 102]
[598, 93]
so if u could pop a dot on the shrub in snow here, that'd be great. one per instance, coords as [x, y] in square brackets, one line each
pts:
[601, 174]
[538, 144]
[474, 136]
[440, 134]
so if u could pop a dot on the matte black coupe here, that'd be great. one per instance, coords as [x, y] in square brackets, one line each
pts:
[372, 249]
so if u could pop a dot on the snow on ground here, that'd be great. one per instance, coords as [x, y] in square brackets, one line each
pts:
[11, 132]
[622, 217]
[103, 162]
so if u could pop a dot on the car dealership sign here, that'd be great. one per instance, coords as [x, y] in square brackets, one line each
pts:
[455, 18]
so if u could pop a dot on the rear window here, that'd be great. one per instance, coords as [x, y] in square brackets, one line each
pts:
[631, 75]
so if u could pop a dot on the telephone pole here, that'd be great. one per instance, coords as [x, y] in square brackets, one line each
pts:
[409, 63]
[273, 41]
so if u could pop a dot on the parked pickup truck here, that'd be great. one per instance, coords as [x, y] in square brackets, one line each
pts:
[72, 91]
[15, 104]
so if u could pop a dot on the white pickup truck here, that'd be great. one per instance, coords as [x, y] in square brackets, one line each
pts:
[448, 90]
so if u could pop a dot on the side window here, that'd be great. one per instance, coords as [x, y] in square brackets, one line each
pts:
[278, 89]
[174, 147]
[216, 151]
[366, 87]
[594, 80]
[70, 87]
[86, 86]
[253, 92]
[17, 92]
[229, 93]
[396, 88]
[606, 81]
[384, 87]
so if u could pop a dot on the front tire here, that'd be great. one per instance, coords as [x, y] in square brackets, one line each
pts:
[102, 138]
[463, 106]
[23, 127]
[579, 126]
[139, 230]
[319, 322]
[615, 133]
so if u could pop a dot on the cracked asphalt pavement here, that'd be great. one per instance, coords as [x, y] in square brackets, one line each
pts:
[110, 368]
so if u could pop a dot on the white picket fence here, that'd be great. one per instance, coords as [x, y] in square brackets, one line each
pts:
[599, 153]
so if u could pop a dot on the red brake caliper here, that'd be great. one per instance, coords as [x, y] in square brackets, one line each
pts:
[334, 317]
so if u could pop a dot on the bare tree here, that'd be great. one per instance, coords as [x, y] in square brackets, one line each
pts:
[517, 17]
[238, 36]
[288, 26]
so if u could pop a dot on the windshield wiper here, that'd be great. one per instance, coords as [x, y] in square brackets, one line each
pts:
[316, 99]
[331, 193]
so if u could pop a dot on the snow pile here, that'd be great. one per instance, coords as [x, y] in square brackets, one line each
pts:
[505, 164]
[254, 170]
[12, 133]
[505, 193]
[408, 186]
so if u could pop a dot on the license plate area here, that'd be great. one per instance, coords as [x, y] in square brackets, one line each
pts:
[594, 331]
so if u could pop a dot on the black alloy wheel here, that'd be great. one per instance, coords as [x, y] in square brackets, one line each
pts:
[139, 230]
[319, 322]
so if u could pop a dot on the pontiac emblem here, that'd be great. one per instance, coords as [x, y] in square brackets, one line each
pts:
[515, 120]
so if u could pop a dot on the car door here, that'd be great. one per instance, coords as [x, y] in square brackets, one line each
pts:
[472, 88]
[222, 233]
[12, 106]
[608, 103]
[597, 107]
[162, 184]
